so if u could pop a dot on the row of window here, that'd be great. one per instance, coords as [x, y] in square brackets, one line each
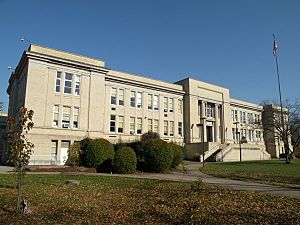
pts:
[243, 133]
[68, 114]
[136, 126]
[249, 118]
[136, 100]
[71, 83]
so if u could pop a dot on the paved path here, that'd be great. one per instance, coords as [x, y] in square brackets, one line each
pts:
[191, 174]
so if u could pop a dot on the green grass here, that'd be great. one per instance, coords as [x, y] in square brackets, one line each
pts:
[116, 200]
[271, 171]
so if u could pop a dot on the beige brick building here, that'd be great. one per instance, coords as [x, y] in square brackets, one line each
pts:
[74, 97]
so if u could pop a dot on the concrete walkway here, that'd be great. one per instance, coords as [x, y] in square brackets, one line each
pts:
[192, 173]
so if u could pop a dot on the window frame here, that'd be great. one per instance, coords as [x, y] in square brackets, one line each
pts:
[70, 81]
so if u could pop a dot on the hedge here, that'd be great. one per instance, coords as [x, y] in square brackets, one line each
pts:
[125, 161]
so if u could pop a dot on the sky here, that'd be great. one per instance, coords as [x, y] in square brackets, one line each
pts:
[227, 43]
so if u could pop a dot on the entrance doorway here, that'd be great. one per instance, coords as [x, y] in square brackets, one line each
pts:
[209, 134]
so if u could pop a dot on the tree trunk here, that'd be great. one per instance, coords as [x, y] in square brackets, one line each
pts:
[19, 190]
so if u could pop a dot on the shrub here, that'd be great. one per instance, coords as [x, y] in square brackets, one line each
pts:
[149, 136]
[178, 154]
[196, 157]
[125, 161]
[158, 156]
[97, 152]
[120, 145]
[74, 153]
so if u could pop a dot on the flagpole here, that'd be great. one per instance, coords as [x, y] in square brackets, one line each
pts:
[280, 98]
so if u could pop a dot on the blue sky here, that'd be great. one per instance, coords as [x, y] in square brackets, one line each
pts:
[228, 43]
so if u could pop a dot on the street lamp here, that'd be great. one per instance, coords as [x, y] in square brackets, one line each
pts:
[238, 138]
[192, 128]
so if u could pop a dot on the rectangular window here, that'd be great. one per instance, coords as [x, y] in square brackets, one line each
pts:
[139, 126]
[209, 110]
[132, 125]
[251, 135]
[180, 108]
[234, 134]
[121, 97]
[150, 101]
[139, 100]
[75, 117]
[77, 85]
[65, 123]
[171, 104]
[55, 115]
[112, 124]
[166, 128]
[171, 128]
[232, 115]
[53, 153]
[180, 129]
[165, 104]
[155, 102]
[236, 115]
[121, 124]
[150, 123]
[58, 82]
[113, 96]
[155, 126]
[68, 83]
[241, 116]
[132, 99]
[258, 119]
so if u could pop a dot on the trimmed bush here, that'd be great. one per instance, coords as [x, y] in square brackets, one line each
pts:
[120, 145]
[149, 136]
[196, 157]
[178, 154]
[158, 155]
[125, 161]
[97, 152]
[74, 155]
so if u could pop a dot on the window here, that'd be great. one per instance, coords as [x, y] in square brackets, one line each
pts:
[155, 102]
[121, 124]
[209, 109]
[155, 127]
[68, 83]
[243, 133]
[53, 151]
[77, 85]
[171, 104]
[139, 126]
[234, 134]
[244, 117]
[139, 100]
[171, 128]
[251, 135]
[165, 104]
[113, 96]
[180, 129]
[121, 97]
[258, 119]
[132, 125]
[165, 128]
[250, 118]
[112, 123]
[75, 117]
[234, 115]
[150, 102]
[132, 99]
[55, 115]
[66, 117]
[150, 123]
[58, 82]
[180, 109]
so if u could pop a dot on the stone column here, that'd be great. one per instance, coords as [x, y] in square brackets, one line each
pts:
[216, 127]
[203, 117]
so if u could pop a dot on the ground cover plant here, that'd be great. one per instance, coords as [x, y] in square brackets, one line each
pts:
[269, 171]
[118, 200]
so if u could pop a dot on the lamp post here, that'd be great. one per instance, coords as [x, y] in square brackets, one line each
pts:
[240, 142]
[238, 138]
[192, 128]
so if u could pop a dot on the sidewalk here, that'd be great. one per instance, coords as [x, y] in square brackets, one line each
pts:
[191, 174]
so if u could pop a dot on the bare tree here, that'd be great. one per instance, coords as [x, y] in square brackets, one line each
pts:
[20, 148]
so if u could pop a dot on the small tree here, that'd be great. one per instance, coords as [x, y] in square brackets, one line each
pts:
[20, 148]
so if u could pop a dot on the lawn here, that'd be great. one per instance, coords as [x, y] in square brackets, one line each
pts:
[117, 200]
[271, 171]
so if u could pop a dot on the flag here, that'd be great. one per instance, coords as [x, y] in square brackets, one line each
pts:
[275, 46]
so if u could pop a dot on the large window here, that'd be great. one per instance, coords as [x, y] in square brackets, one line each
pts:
[171, 128]
[180, 108]
[139, 126]
[112, 123]
[53, 151]
[121, 97]
[165, 104]
[132, 125]
[58, 82]
[209, 109]
[139, 100]
[166, 128]
[250, 118]
[150, 124]
[66, 117]
[234, 115]
[68, 83]
[171, 104]
[75, 117]
[132, 99]
[155, 102]
[55, 116]
[121, 124]
[155, 126]
[77, 85]
[251, 135]
[113, 96]
[180, 129]
[150, 101]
